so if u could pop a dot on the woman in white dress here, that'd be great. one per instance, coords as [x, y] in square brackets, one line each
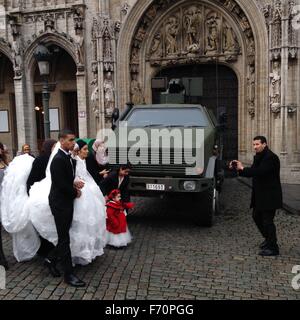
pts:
[88, 231]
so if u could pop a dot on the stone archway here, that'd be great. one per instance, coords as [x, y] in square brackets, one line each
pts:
[8, 136]
[78, 91]
[145, 49]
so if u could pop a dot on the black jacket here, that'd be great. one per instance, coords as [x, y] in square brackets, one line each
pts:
[94, 168]
[38, 170]
[266, 186]
[111, 182]
[62, 192]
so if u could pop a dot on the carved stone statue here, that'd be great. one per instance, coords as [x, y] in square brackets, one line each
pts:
[251, 88]
[16, 48]
[212, 40]
[79, 40]
[107, 49]
[136, 91]
[172, 29]
[250, 46]
[245, 23]
[95, 97]
[275, 87]
[134, 55]
[192, 23]
[49, 23]
[156, 46]
[109, 94]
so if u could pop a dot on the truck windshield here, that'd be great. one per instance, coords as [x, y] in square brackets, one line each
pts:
[167, 117]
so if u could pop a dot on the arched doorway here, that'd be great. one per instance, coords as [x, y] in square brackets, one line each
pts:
[8, 122]
[63, 105]
[214, 86]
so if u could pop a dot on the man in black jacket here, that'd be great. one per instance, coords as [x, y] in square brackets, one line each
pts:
[61, 200]
[266, 192]
[117, 180]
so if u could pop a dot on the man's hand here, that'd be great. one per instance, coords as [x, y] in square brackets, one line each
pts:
[78, 184]
[235, 164]
[78, 193]
[104, 173]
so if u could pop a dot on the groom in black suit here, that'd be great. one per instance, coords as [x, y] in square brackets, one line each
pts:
[61, 200]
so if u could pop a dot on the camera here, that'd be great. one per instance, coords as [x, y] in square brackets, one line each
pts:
[234, 165]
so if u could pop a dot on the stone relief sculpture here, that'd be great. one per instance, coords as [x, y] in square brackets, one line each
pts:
[251, 90]
[156, 46]
[212, 40]
[192, 25]
[136, 91]
[230, 42]
[49, 23]
[172, 29]
[275, 87]
[109, 94]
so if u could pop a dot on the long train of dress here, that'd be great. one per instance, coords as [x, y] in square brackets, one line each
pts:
[88, 231]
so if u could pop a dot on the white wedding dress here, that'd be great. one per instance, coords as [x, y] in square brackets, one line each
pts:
[14, 217]
[88, 230]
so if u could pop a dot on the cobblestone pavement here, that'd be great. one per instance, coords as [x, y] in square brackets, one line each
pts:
[171, 258]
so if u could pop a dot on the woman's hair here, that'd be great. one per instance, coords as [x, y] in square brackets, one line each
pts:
[47, 147]
[113, 194]
[124, 167]
[3, 154]
[81, 144]
[24, 146]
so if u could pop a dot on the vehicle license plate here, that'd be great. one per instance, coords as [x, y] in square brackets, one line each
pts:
[156, 187]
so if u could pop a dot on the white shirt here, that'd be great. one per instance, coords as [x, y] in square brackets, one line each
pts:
[120, 181]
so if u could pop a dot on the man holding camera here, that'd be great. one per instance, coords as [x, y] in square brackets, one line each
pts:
[266, 192]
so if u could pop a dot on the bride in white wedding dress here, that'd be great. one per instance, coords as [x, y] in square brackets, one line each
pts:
[88, 231]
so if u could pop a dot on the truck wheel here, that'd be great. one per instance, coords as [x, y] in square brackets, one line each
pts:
[207, 207]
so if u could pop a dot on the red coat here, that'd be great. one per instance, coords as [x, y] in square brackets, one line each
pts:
[116, 219]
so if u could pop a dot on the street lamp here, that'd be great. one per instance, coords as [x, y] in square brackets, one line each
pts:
[43, 56]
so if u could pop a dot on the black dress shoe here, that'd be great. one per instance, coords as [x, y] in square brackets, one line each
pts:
[269, 252]
[73, 281]
[263, 245]
[52, 268]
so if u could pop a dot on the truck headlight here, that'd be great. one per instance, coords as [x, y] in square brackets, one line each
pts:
[189, 185]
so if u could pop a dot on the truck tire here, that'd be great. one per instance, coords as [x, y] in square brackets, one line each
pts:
[207, 208]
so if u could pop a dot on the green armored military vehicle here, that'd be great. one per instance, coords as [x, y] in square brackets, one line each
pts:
[176, 153]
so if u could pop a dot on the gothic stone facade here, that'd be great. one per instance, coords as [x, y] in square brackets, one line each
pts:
[117, 46]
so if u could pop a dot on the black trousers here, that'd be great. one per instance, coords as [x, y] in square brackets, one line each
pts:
[264, 220]
[62, 252]
[2, 257]
[45, 248]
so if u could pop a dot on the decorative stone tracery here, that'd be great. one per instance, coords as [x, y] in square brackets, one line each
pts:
[192, 32]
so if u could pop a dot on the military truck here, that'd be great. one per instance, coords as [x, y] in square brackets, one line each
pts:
[173, 173]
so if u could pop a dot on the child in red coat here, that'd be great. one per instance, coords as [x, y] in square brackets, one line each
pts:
[118, 234]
